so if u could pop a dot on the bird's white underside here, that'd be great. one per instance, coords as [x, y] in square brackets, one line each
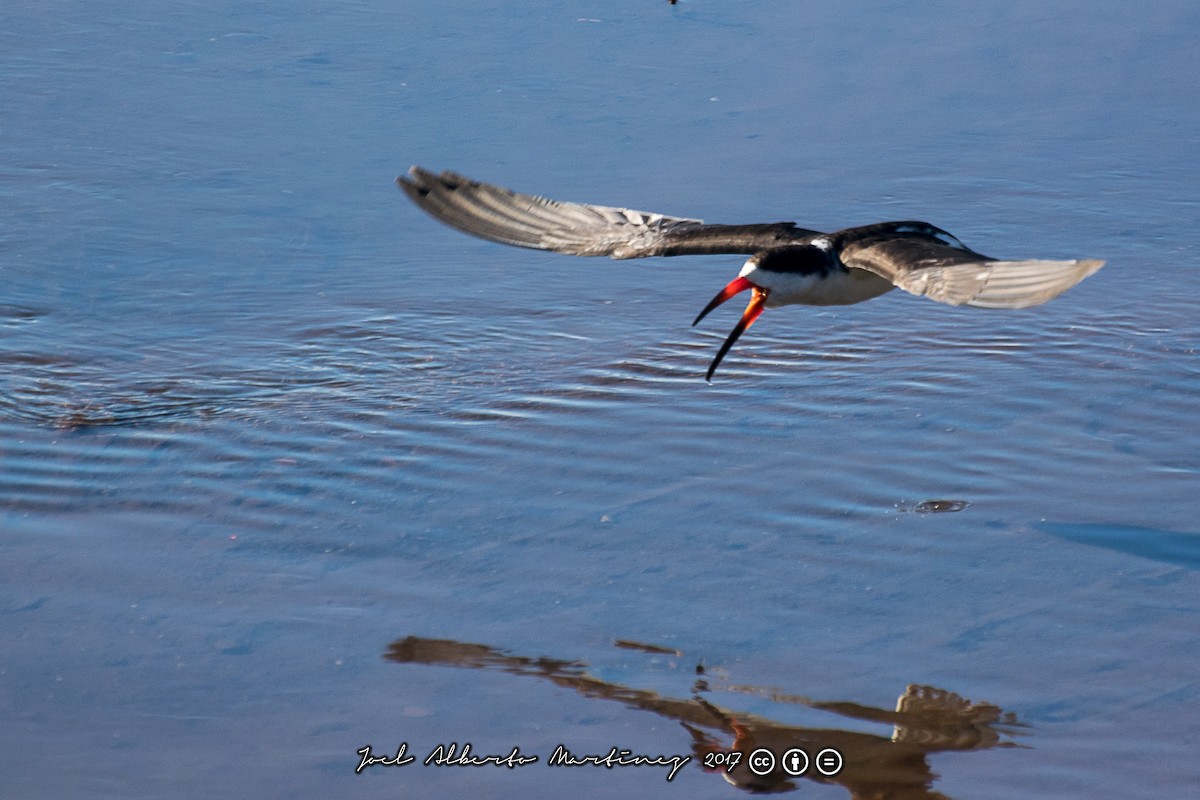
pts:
[836, 288]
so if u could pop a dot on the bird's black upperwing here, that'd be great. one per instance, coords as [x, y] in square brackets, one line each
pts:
[924, 260]
[502, 215]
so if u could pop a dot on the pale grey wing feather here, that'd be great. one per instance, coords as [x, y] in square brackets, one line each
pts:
[958, 276]
[997, 284]
[502, 215]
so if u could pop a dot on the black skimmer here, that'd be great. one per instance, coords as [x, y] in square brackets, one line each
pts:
[787, 264]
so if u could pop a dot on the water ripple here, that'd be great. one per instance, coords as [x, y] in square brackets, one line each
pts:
[365, 412]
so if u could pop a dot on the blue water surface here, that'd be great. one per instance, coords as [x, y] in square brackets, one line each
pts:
[287, 469]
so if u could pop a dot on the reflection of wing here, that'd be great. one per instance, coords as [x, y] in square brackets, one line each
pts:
[567, 674]
[926, 720]
[918, 259]
[936, 719]
[502, 215]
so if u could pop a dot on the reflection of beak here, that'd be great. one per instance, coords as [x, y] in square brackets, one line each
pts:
[757, 298]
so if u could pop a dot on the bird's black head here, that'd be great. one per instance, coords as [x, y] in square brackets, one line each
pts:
[785, 270]
[807, 259]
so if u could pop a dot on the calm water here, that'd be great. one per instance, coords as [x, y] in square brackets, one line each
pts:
[288, 470]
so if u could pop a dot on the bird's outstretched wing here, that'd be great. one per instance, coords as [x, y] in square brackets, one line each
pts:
[502, 215]
[924, 260]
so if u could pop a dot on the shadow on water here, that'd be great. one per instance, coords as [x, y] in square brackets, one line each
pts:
[1171, 547]
[926, 720]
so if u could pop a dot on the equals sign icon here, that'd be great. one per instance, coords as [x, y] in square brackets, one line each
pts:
[829, 762]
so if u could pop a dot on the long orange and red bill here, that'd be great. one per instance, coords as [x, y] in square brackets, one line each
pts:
[752, 312]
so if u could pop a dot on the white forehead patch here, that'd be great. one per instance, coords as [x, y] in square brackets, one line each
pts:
[821, 243]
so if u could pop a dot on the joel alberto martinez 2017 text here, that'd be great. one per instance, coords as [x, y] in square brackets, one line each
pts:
[450, 755]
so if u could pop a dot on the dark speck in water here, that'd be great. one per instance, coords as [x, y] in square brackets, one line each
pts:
[937, 506]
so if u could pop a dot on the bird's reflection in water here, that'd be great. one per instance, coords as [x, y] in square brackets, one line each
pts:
[926, 720]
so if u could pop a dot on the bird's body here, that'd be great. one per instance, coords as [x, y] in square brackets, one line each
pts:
[811, 276]
[787, 264]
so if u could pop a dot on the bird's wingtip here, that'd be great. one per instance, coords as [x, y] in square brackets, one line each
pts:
[417, 182]
[416, 176]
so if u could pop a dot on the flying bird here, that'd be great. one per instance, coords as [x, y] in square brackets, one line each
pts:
[786, 265]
